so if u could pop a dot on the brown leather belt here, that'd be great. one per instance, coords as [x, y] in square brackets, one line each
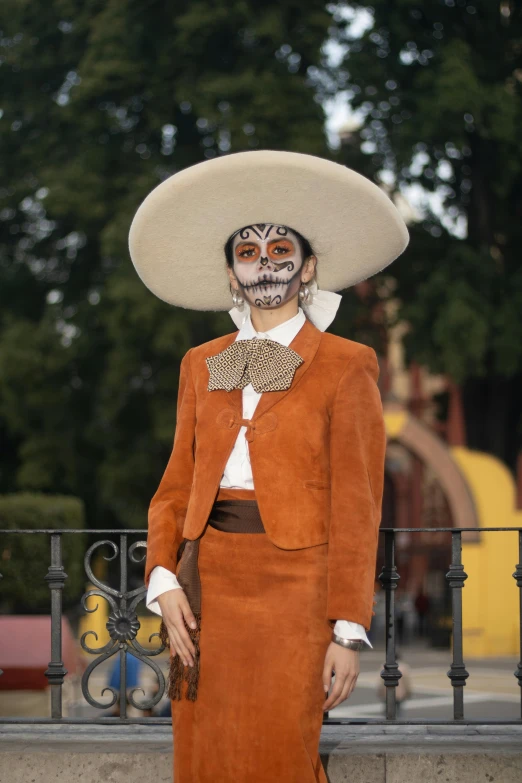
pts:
[228, 516]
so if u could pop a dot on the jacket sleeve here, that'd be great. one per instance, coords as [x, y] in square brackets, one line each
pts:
[357, 454]
[168, 507]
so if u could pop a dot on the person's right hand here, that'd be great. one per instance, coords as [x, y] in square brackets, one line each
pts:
[174, 607]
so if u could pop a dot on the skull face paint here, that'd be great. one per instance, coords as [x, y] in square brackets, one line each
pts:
[267, 264]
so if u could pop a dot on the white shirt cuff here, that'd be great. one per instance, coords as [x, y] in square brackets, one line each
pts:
[161, 580]
[350, 630]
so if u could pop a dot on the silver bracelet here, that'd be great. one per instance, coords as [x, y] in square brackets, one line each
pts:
[350, 644]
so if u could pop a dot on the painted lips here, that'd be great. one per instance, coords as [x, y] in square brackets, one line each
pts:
[264, 283]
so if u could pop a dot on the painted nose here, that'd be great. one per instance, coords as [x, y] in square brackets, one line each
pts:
[264, 260]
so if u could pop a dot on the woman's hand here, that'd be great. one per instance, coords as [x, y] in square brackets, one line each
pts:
[345, 664]
[174, 607]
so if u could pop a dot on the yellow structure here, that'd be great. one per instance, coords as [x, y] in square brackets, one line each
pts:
[490, 595]
[481, 493]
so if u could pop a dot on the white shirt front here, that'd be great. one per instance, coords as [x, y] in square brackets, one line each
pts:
[238, 470]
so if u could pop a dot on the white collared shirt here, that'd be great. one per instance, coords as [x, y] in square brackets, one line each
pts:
[238, 471]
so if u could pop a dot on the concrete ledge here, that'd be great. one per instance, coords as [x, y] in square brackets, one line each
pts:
[418, 738]
[131, 753]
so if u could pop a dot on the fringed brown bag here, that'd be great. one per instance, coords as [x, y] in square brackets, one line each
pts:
[188, 576]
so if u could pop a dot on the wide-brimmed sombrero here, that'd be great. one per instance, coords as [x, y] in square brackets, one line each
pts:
[178, 234]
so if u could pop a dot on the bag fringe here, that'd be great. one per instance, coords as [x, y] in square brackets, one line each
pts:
[178, 672]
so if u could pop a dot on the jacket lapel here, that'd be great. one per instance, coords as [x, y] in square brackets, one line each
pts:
[305, 343]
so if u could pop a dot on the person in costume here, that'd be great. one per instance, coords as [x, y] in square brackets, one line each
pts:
[263, 532]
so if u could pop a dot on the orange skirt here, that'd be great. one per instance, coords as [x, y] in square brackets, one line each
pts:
[264, 635]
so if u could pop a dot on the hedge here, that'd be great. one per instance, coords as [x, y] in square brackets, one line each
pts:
[25, 558]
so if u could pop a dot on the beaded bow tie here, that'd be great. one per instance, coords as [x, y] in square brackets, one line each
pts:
[265, 363]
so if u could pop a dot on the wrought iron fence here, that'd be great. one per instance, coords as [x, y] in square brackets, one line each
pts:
[123, 625]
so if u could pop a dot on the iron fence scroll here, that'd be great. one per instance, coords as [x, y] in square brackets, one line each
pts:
[123, 624]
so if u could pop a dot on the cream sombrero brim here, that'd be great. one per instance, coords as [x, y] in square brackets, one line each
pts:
[177, 236]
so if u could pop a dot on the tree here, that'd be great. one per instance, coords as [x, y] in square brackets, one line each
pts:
[438, 85]
[102, 100]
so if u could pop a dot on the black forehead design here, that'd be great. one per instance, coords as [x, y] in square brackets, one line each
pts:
[262, 230]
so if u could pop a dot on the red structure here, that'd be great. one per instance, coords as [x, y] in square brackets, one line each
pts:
[25, 651]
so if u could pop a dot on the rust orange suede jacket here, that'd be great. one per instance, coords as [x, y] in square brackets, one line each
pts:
[317, 452]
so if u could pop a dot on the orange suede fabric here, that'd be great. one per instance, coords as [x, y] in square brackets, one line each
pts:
[264, 636]
[317, 451]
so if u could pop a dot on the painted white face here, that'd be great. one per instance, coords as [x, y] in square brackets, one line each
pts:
[267, 264]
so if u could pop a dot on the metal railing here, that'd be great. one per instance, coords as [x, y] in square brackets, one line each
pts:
[123, 625]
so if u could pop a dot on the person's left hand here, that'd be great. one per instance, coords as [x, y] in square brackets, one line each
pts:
[345, 664]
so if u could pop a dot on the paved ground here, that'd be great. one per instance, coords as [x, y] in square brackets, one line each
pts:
[491, 692]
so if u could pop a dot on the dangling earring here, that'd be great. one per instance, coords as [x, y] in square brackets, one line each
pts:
[305, 295]
[237, 299]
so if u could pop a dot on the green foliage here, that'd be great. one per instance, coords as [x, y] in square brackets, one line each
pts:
[25, 558]
[102, 101]
[438, 84]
